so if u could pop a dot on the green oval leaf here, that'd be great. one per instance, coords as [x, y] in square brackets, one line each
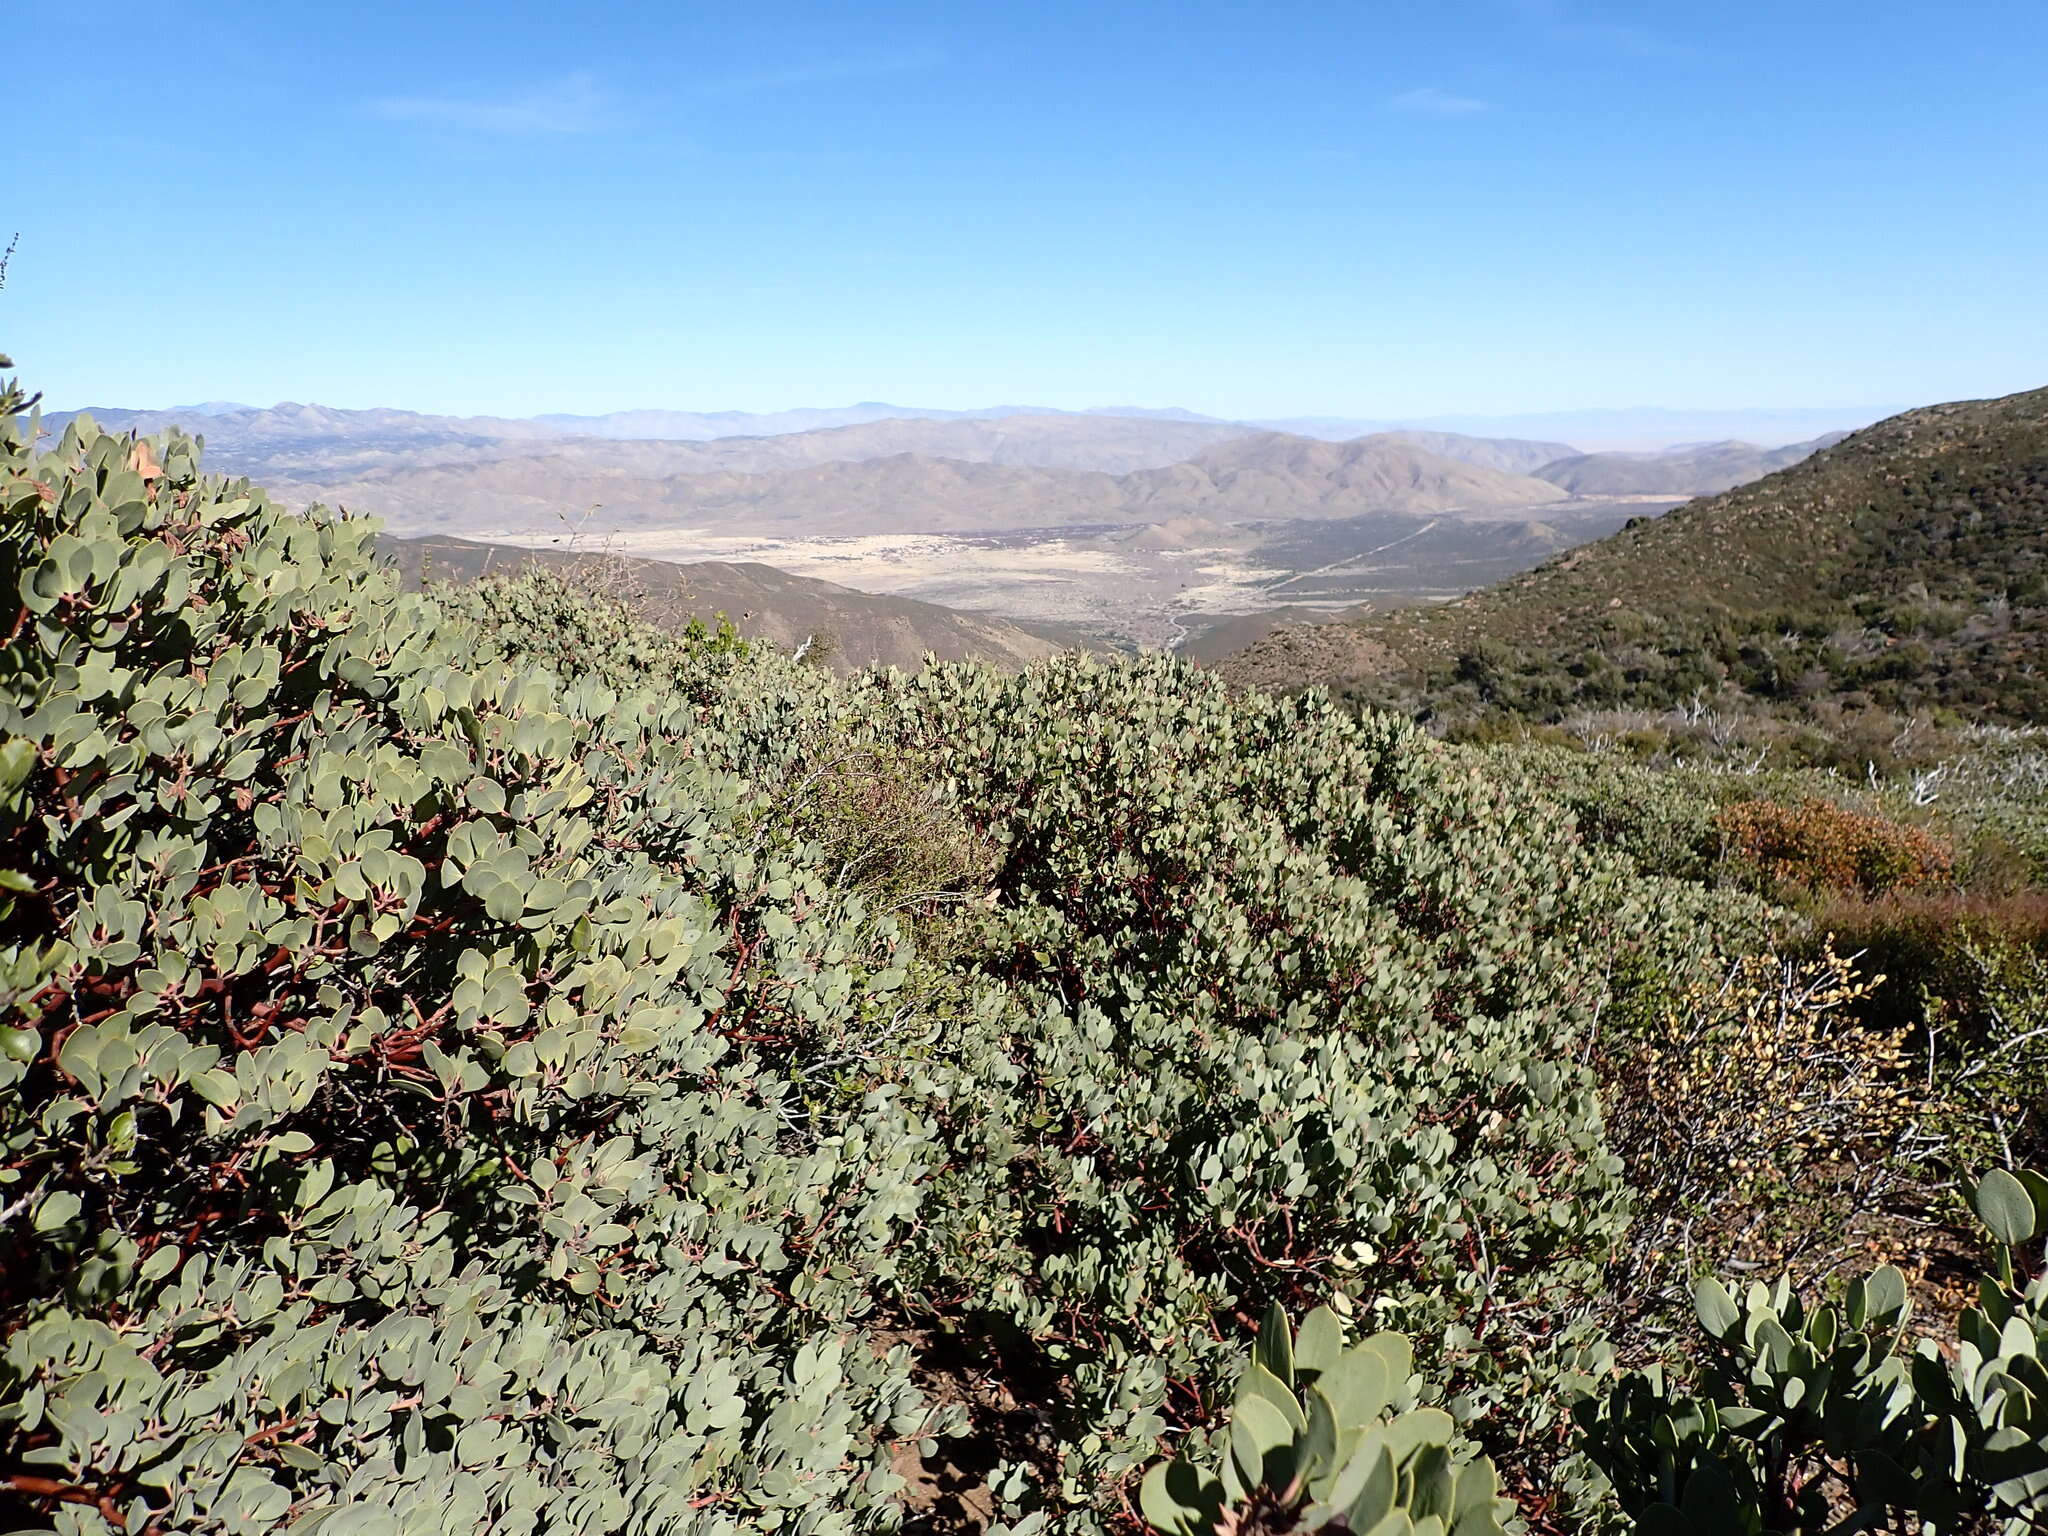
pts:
[2005, 1207]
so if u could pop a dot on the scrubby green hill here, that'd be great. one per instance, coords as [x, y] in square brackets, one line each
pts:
[1903, 568]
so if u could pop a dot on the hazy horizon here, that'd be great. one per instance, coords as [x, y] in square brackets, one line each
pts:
[1595, 428]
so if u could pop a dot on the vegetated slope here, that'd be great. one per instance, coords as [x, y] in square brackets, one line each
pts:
[1213, 641]
[474, 1053]
[1698, 470]
[1906, 566]
[850, 629]
[1267, 475]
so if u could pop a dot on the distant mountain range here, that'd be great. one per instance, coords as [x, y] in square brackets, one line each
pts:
[1112, 444]
[1134, 526]
[1654, 428]
[311, 442]
[1264, 476]
[1646, 427]
[1557, 434]
[1138, 525]
[1274, 475]
[702, 426]
[1512, 455]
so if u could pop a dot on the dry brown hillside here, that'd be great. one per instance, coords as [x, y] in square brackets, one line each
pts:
[1268, 476]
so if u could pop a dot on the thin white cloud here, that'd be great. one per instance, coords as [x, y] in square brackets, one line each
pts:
[1556, 19]
[860, 66]
[574, 104]
[1433, 101]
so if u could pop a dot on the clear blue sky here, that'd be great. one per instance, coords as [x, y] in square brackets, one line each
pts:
[1246, 208]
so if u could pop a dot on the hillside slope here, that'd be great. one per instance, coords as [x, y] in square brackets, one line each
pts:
[1905, 567]
[1510, 455]
[1277, 475]
[1701, 470]
[861, 628]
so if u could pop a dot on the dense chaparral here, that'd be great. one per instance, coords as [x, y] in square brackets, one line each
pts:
[476, 1061]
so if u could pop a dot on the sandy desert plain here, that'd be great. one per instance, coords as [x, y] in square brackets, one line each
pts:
[1146, 585]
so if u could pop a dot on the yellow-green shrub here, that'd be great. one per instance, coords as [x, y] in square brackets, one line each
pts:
[1757, 1115]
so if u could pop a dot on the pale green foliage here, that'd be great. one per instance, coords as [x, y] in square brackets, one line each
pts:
[1804, 1409]
[417, 1130]
[1303, 1003]
[1325, 1435]
[464, 1070]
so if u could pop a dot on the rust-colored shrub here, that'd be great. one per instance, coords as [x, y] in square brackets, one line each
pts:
[1923, 943]
[1966, 975]
[1821, 846]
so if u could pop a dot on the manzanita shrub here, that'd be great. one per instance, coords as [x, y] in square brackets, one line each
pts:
[410, 1117]
[1298, 1009]
[470, 1065]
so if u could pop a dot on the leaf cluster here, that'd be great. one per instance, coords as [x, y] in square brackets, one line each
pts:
[1815, 1417]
